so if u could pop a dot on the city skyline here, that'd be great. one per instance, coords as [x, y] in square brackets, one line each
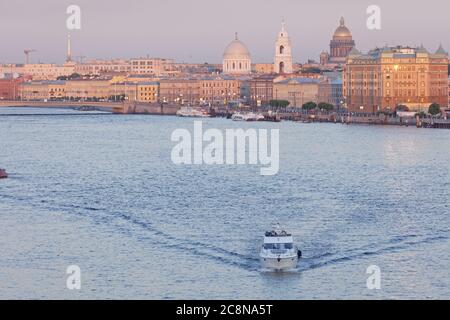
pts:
[127, 31]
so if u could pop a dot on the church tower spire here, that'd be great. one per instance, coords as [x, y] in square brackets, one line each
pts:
[283, 54]
[69, 50]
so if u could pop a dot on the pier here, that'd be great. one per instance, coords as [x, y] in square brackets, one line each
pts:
[131, 107]
[113, 107]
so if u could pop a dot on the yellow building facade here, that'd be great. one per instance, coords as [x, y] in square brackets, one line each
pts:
[388, 77]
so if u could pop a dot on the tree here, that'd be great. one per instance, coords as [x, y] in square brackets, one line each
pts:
[309, 105]
[434, 109]
[325, 106]
[279, 103]
[74, 76]
[420, 114]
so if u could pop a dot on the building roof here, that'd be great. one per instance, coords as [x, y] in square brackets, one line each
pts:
[342, 32]
[236, 50]
[398, 52]
[354, 52]
[300, 80]
[441, 51]
[55, 82]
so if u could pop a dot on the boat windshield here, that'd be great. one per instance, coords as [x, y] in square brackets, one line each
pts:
[278, 246]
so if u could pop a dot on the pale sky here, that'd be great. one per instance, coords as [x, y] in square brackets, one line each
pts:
[199, 30]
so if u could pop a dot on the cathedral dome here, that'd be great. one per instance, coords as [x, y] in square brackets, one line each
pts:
[342, 32]
[236, 58]
[236, 50]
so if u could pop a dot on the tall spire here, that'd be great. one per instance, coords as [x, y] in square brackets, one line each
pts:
[69, 50]
[283, 25]
[236, 36]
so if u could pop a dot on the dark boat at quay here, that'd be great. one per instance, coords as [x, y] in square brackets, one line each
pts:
[3, 174]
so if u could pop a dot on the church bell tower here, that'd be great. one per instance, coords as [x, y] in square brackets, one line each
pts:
[283, 54]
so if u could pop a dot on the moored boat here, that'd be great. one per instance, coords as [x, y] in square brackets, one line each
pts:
[192, 112]
[250, 116]
[3, 174]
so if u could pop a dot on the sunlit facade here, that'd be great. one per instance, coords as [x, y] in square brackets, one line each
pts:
[387, 77]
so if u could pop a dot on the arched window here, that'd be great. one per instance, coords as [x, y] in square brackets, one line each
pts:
[240, 65]
[281, 49]
[281, 67]
[234, 66]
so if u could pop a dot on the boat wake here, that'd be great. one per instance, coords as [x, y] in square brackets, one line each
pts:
[149, 232]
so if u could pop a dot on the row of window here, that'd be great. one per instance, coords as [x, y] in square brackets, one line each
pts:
[237, 66]
[226, 85]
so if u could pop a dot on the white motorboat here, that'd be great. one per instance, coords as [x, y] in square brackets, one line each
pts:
[251, 116]
[238, 116]
[192, 112]
[279, 251]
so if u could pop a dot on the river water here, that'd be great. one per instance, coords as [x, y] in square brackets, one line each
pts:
[101, 192]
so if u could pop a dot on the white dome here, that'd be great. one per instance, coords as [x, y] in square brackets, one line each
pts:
[236, 58]
[236, 50]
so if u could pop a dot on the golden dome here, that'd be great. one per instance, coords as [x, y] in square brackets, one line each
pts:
[342, 31]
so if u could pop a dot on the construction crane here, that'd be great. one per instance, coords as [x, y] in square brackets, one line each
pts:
[27, 54]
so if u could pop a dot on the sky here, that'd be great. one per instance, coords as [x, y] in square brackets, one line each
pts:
[198, 31]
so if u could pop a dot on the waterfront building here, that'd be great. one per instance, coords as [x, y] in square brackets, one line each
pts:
[330, 89]
[448, 92]
[81, 89]
[236, 58]
[197, 69]
[147, 92]
[387, 77]
[261, 89]
[180, 91]
[128, 91]
[41, 90]
[138, 78]
[47, 71]
[283, 54]
[154, 66]
[56, 90]
[297, 90]
[9, 88]
[11, 70]
[97, 67]
[263, 68]
[219, 90]
[39, 71]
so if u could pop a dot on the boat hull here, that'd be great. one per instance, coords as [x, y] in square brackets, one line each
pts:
[3, 174]
[279, 264]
